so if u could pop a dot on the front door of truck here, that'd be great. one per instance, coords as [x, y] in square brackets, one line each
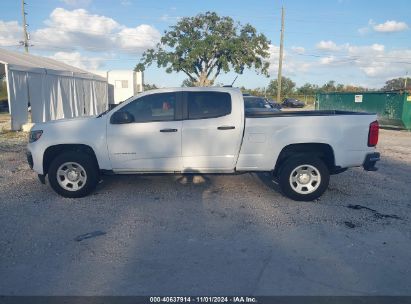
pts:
[151, 141]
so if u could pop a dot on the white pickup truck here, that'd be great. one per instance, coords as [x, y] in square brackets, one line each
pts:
[202, 130]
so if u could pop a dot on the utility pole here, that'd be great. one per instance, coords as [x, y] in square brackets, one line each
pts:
[25, 41]
[405, 82]
[280, 59]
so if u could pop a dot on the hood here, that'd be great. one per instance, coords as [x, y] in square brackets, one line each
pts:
[68, 121]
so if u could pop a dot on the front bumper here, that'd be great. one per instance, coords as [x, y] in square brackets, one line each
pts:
[29, 156]
[370, 161]
[30, 159]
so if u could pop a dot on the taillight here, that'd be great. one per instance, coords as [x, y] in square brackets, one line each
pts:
[373, 134]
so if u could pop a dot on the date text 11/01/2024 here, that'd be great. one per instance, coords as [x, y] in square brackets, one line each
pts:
[238, 299]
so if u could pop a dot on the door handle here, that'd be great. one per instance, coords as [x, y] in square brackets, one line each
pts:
[168, 130]
[226, 128]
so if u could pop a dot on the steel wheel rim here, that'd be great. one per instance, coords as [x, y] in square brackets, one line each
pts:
[71, 176]
[305, 179]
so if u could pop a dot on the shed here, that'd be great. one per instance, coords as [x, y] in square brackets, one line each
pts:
[124, 83]
[53, 89]
[393, 108]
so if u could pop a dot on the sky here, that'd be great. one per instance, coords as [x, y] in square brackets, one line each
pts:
[354, 42]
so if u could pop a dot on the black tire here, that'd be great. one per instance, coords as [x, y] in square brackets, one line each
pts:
[87, 162]
[313, 189]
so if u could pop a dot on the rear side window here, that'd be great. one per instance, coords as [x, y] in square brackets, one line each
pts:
[154, 107]
[203, 105]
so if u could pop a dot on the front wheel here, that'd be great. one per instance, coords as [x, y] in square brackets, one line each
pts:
[304, 178]
[73, 174]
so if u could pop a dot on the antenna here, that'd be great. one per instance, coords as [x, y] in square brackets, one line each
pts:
[234, 80]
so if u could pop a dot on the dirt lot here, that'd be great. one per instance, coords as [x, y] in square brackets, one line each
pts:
[208, 235]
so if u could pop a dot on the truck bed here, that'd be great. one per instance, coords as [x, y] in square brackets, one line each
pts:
[267, 133]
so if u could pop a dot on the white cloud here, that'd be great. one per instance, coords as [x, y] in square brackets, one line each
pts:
[69, 30]
[79, 20]
[292, 64]
[10, 33]
[140, 37]
[390, 26]
[78, 60]
[327, 45]
[327, 60]
[373, 61]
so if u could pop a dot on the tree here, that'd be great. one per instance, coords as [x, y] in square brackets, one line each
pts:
[397, 84]
[148, 87]
[206, 45]
[352, 88]
[329, 87]
[254, 92]
[287, 87]
[188, 83]
[308, 89]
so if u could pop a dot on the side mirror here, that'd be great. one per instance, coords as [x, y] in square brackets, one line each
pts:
[121, 117]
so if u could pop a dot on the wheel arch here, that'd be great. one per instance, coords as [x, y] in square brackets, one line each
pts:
[323, 151]
[53, 151]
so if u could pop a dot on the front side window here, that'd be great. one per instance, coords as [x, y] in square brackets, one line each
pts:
[208, 104]
[154, 107]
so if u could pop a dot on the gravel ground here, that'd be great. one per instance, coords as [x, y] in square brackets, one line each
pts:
[208, 235]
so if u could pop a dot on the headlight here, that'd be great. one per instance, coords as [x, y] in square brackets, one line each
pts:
[35, 135]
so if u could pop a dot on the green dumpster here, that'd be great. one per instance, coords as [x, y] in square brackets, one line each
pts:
[393, 108]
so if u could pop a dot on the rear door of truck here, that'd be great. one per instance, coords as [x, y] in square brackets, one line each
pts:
[212, 130]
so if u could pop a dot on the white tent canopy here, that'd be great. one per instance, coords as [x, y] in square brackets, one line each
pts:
[54, 90]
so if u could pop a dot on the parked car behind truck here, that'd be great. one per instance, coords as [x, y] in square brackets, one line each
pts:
[292, 103]
[203, 130]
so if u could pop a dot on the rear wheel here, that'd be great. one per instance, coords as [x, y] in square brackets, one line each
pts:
[73, 174]
[303, 178]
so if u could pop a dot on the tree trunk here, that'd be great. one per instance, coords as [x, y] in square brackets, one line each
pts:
[203, 81]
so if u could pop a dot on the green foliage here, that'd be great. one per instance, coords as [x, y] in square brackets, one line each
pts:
[3, 90]
[308, 89]
[206, 45]
[148, 87]
[287, 87]
[331, 86]
[188, 83]
[304, 93]
[254, 92]
[397, 84]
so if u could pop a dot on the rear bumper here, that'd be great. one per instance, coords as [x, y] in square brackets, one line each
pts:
[370, 161]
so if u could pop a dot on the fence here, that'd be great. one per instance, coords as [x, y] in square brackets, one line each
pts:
[307, 99]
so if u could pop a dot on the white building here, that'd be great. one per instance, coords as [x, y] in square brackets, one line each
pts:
[124, 84]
